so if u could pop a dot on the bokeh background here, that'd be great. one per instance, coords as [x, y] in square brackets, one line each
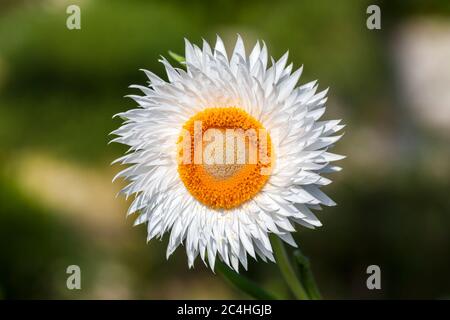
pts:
[59, 89]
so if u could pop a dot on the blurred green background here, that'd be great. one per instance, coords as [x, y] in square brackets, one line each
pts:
[59, 89]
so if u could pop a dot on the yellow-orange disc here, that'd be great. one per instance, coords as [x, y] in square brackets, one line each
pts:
[223, 185]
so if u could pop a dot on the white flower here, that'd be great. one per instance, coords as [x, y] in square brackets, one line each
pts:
[227, 210]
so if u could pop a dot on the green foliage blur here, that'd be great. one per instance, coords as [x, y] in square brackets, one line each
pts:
[59, 89]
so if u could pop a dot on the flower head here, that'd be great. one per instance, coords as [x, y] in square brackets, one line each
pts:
[227, 151]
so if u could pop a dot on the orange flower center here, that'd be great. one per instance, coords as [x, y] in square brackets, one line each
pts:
[224, 157]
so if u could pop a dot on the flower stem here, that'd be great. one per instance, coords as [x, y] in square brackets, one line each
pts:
[287, 270]
[242, 283]
[306, 275]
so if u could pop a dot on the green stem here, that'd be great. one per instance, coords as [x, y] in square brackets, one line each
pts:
[306, 275]
[287, 270]
[242, 283]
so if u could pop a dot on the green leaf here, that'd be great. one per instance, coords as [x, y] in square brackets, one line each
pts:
[242, 283]
[177, 57]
